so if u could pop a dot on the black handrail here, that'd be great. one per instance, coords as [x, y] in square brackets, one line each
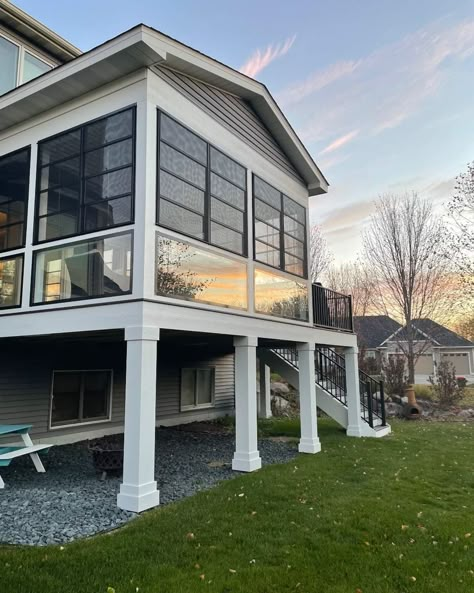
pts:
[330, 373]
[331, 309]
[372, 399]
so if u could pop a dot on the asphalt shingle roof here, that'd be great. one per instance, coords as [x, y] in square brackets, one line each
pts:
[372, 330]
[438, 333]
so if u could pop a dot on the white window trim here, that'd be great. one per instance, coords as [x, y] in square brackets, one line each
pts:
[88, 422]
[21, 58]
[213, 389]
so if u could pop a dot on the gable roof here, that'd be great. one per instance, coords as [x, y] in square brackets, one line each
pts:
[437, 333]
[141, 47]
[373, 330]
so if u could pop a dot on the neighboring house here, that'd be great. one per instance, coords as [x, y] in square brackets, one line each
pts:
[154, 245]
[383, 336]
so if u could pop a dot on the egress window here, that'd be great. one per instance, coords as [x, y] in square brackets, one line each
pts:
[280, 229]
[86, 178]
[14, 177]
[202, 192]
[80, 396]
[197, 388]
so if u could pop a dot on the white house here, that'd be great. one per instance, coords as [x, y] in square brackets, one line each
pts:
[154, 247]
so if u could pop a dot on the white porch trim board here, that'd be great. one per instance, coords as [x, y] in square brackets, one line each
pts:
[309, 442]
[246, 456]
[354, 427]
[138, 490]
[264, 401]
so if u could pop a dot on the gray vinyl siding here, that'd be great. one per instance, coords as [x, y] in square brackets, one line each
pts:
[236, 114]
[26, 374]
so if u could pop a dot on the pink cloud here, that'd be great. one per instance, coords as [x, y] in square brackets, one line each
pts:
[260, 59]
[340, 142]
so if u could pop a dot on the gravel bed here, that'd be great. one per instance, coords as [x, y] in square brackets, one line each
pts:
[70, 500]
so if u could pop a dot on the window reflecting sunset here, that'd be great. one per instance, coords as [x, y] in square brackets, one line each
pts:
[280, 296]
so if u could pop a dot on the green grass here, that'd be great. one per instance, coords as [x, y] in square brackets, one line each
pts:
[366, 515]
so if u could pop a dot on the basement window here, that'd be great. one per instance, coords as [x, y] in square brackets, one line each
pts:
[197, 388]
[79, 397]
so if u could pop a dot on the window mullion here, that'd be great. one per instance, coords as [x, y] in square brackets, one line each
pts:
[82, 172]
[81, 398]
[195, 387]
[282, 235]
[207, 198]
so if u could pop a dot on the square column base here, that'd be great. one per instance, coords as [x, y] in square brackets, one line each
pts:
[246, 462]
[138, 498]
[309, 446]
[354, 431]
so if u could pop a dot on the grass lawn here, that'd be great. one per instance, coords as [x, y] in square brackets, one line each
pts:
[389, 515]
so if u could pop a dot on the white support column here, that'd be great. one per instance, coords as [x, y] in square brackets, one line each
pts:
[355, 422]
[138, 491]
[264, 401]
[246, 456]
[309, 442]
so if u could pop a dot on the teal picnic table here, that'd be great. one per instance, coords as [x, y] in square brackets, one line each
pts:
[9, 453]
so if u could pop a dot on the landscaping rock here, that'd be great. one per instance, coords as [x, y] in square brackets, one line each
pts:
[280, 388]
[70, 501]
[393, 409]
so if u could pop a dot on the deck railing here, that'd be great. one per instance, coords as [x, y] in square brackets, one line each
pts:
[331, 309]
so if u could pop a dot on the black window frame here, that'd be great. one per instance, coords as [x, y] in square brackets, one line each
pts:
[83, 177]
[281, 231]
[25, 206]
[81, 421]
[196, 406]
[21, 257]
[71, 244]
[208, 196]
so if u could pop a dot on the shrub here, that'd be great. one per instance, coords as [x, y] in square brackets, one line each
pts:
[446, 387]
[462, 382]
[395, 379]
[370, 365]
[423, 391]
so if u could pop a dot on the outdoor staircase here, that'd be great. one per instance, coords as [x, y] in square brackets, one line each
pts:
[330, 375]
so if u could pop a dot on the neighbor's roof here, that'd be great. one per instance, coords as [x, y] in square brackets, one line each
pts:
[373, 330]
[438, 334]
[36, 33]
[141, 47]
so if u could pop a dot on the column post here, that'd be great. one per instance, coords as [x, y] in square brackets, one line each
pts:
[309, 442]
[264, 402]
[246, 456]
[138, 490]
[354, 425]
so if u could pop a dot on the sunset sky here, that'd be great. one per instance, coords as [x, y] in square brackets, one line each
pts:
[381, 92]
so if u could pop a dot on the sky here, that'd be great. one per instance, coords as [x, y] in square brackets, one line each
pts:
[380, 92]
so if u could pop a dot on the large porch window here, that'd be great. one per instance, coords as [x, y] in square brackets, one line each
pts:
[197, 388]
[281, 296]
[11, 274]
[14, 176]
[96, 268]
[80, 397]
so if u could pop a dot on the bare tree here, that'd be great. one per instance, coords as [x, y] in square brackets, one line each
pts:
[320, 255]
[465, 327]
[352, 278]
[403, 248]
[461, 239]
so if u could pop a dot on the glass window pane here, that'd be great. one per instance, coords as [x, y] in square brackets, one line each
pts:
[59, 225]
[62, 173]
[187, 387]
[59, 198]
[61, 147]
[66, 398]
[294, 247]
[204, 386]
[109, 213]
[181, 192]
[281, 296]
[267, 214]
[228, 168]
[181, 220]
[267, 193]
[181, 165]
[109, 129]
[293, 228]
[11, 270]
[182, 138]
[9, 61]
[96, 393]
[109, 185]
[226, 238]
[14, 177]
[227, 215]
[99, 267]
[294, 265]
[33, 67]
[267, 255]
[267, 234]
[184, 271]
[294, 210]
[227, 191]
[110, 157]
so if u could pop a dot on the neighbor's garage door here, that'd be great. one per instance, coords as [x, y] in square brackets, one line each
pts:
[460, 361]
[424, 365]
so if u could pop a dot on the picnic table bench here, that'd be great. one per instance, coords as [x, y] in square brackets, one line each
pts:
[8, 453]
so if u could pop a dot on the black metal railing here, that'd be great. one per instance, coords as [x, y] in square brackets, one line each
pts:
[330, 373]
[372, 400]
[331, 309]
